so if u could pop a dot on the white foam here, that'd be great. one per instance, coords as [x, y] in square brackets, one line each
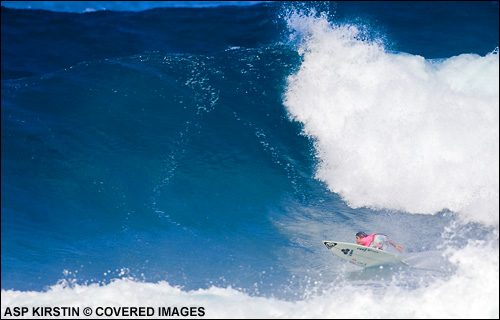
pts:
[472, 292]
[394, 130]
[398, 131]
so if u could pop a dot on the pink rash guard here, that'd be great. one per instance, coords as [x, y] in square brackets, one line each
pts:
[367, 241]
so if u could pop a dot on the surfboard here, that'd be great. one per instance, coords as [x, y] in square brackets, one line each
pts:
[362, 256]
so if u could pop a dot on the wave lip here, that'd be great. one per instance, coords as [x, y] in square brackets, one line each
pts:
[394, 130]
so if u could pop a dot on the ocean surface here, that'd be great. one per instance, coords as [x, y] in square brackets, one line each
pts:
[193, 154]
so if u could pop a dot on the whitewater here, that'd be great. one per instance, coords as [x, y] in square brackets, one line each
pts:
[405, 143]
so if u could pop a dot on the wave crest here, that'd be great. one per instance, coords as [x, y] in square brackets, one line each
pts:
[394, 130]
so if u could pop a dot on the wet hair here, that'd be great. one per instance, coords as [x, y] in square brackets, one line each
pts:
[361, 234]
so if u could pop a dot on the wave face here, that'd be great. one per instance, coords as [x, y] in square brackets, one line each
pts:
[200, 156]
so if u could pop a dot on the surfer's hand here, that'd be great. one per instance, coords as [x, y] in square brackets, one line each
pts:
[400, 248]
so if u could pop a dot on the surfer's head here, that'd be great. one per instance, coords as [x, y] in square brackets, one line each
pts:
[360, 235]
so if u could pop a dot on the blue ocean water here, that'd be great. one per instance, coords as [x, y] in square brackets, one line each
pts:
[201, 154]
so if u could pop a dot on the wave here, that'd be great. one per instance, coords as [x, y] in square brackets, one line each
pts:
[175, 179]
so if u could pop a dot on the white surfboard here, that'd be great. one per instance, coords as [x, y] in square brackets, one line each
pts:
[362, 256]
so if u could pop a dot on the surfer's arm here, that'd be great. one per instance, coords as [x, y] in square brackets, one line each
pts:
[397, 246]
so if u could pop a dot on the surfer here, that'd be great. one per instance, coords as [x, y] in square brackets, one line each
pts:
[375, 240]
